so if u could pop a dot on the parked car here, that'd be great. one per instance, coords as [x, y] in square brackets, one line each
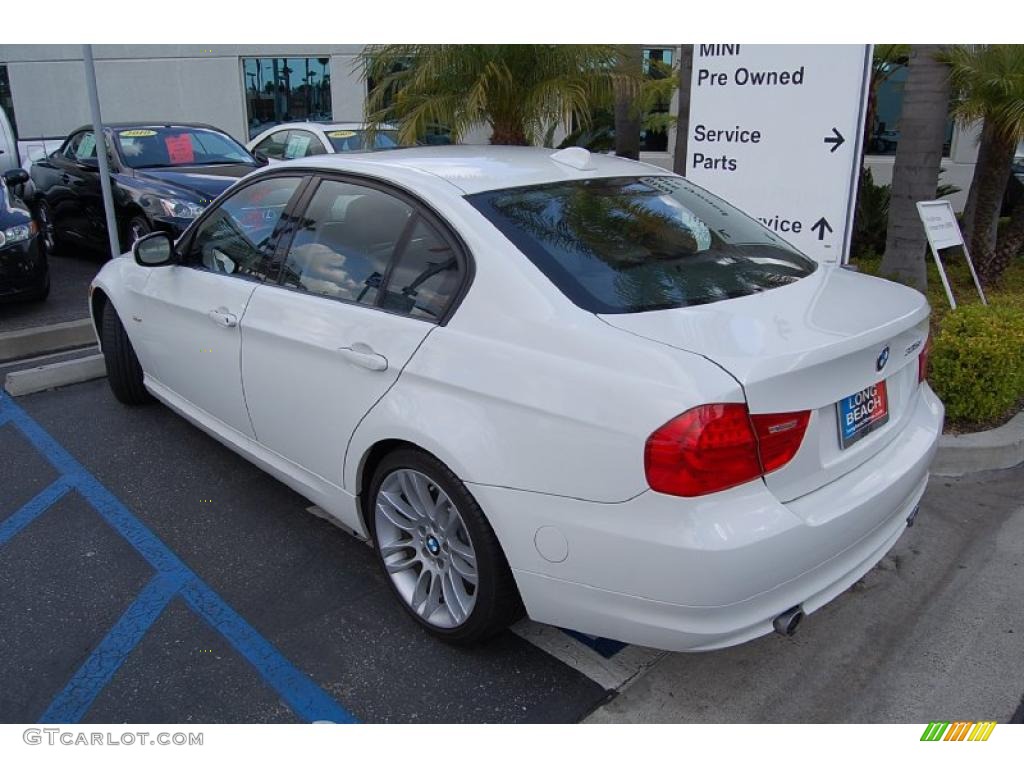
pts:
[557, 380]
[24, 272]
[163, 176]
[293, 140]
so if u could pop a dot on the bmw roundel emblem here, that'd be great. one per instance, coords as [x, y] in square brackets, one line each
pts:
[883, 358]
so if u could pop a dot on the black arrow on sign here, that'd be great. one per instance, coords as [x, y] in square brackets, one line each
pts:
[835, 141]
[820, 226]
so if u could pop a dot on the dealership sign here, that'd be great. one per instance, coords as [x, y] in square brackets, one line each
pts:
[777, 130]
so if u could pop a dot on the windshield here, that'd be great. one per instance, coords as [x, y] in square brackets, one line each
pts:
[167, 147]
[637, 244]
[355, 141]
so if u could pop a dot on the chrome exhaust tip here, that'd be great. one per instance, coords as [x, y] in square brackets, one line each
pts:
[787, 622]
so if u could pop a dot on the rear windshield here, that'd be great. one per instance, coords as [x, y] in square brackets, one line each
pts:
[356, 141]
[637, 244]
[166, 147]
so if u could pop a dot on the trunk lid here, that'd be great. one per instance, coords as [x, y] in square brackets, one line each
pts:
[806, 346]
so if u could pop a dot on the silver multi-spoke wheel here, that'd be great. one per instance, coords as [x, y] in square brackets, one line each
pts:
[46, 225]
[426, 548]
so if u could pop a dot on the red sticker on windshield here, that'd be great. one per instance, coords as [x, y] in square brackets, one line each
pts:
[179, 149]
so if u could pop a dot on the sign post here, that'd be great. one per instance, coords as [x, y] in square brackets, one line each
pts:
[777, 130]
[101, 151]
[941, 227]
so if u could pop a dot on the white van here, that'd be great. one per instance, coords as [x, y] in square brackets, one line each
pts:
[9, 157]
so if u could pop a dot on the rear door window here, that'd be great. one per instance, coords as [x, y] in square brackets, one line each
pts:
[364, 245]
[619, 245]
[346, 240]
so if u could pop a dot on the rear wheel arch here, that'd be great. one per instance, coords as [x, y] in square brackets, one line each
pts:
[367, 466]
[496, 602]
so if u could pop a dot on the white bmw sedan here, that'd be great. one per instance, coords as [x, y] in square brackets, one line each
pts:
[579, 386]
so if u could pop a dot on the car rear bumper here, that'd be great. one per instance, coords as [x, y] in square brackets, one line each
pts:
[698, 574]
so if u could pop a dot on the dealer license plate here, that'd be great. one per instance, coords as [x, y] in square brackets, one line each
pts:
[862, 413]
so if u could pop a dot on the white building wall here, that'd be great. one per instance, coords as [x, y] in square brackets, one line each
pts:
[187, 83]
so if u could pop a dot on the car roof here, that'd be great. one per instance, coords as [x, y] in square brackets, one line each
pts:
[308, 124]
[480, 168]
[150, 124]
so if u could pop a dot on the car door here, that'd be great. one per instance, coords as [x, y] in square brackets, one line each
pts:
[65, 196]
[367, 275]
[272, 147]
[189, 313]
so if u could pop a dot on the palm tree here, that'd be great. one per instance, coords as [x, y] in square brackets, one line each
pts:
[520, 91]
[989, 85]
[627, 112]
[915, 175]
[683, 116]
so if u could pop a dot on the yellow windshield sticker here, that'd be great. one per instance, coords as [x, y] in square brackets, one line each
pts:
[137, 133]
[341, 134]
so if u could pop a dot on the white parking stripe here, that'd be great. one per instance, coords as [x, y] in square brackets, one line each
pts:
[610, 673]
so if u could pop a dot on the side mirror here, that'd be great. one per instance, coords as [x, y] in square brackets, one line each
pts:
[261, 157]
[15, 177]
[154, 250]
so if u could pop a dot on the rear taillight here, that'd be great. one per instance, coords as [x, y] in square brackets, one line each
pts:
[779, 436]
[713, 447]
[922, 360]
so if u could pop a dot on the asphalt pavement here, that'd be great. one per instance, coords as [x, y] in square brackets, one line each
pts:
[266, 608]
[148, 574]
[68, 300]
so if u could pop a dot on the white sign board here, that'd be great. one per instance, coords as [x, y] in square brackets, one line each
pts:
[943, 231]
[777, 131]
[940, 224]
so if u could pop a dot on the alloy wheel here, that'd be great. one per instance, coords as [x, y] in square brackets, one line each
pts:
[49, 236]
[426, 548]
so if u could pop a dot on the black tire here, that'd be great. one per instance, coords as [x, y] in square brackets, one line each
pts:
[43, 292]
[49, 241]
[123, 370]
[497, 599]
[138, 226]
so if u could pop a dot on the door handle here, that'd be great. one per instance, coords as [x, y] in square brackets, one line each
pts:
[363, 356]
[65, 178]
[222, 317]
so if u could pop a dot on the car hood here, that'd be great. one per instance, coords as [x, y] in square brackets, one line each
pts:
[207, 181]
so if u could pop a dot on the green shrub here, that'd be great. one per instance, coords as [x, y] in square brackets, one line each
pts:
[977, 362]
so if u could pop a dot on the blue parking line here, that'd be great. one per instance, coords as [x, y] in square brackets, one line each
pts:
[173, 577]
[74, 701]
[45, 499]
[275, 668]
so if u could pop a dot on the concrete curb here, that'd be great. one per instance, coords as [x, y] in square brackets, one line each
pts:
[54, 375]
[29, 342]
[999, 448]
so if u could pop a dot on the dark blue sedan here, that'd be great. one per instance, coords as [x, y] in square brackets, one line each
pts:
[162, 177]
[24, 273]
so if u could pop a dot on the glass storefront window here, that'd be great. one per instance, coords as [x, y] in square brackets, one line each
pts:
[885, 131]
[286, 90]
